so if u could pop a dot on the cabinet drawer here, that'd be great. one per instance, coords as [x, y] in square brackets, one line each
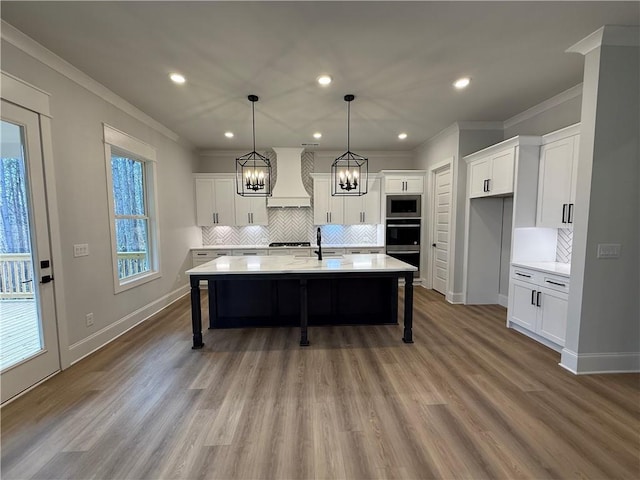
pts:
[208, 254]
[332, 252]
[368, 250]
[553, 282]
[296, 252]
[525, 275]
[250, 252]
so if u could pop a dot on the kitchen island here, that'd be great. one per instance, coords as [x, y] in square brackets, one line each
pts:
[289, 290]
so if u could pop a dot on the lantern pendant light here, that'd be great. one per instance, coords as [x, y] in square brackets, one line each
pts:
[350, 171]
[253, 171]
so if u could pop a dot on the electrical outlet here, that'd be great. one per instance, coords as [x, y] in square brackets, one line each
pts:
[609, 250]
[89, 318]
[81, 250]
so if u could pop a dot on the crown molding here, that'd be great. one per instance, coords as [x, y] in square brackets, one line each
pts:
[370, 154]
[480, 125]
[548, 104]
[608, 35]
[32, 48]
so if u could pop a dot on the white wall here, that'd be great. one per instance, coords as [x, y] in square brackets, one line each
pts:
[455, 142]
[219, 161]
[80, 173]
[603, 331]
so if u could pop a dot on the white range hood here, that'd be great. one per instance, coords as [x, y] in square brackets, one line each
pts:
[289, 190]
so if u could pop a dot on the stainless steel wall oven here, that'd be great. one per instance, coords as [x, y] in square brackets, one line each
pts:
[403, 240]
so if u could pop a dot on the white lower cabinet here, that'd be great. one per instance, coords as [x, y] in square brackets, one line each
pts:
[369, 250]
[332, 252]
[296, 251]
[538, 303]
[198, 257]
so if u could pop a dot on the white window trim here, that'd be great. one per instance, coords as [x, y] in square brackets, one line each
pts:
[144, 152]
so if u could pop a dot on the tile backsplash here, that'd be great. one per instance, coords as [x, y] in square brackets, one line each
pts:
[292, 224]
[563, 246]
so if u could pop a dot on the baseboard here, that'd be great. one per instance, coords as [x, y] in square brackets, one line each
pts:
[99, 339]
[455, 298]
[594, 363]
[503, 300]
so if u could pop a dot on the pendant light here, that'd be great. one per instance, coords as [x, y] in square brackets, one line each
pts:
[350, 171]
[253, 171]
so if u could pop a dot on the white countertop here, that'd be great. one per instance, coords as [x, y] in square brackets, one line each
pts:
[248, 247]
[556, 268]
[289, 264]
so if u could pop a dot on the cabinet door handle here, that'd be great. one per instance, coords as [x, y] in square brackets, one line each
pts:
[570, 214]
[555, 283]
[364, 217]
[564, 213]
[538, 299]
[327, 217]
[517, 273]
[252, 218]
[488, 184]
[533, 298]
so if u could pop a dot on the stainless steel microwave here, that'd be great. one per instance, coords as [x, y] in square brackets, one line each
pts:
[403, 206]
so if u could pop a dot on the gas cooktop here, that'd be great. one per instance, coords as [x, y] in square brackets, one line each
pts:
[290, 244]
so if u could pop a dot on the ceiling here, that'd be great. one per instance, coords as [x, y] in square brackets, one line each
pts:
[398, 58]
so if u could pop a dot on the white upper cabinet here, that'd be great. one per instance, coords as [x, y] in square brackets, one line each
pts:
[251, 211]
[364, 209]
[557, 181]
[215, 201]
[403, 183]
[492, 174]
[327, 209]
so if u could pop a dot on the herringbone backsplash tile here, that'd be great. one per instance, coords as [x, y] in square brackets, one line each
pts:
[563, 247]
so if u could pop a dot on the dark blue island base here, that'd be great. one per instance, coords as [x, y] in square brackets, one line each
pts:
[270, 300]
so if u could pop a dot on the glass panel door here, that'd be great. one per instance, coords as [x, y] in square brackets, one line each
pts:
[28, 333]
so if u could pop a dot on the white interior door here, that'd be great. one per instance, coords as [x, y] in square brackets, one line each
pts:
[28, 330]
[441, 204]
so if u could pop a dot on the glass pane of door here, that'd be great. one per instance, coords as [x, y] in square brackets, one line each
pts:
[20, 327]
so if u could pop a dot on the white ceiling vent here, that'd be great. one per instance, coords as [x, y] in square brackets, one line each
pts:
[289, 190]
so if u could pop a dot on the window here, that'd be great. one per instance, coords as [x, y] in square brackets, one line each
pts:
[132, 209]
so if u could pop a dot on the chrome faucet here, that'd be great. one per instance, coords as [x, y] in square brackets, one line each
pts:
[319, 242]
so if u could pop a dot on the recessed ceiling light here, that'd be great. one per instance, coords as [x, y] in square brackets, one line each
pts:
[324, 80]
[317, 135]
[177, 78]
[402, 136]
[462, 82]
[228, 134]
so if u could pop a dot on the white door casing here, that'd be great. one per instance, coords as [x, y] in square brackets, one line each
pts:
[440, 226]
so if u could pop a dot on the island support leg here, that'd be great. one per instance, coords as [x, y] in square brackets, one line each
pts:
[196, 314]
[304, 341]
[408, 308]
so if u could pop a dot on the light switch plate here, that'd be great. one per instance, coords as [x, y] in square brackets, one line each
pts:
[609, 250]
[81, 250]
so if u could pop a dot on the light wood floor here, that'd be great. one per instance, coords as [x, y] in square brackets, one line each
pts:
[470, 399]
